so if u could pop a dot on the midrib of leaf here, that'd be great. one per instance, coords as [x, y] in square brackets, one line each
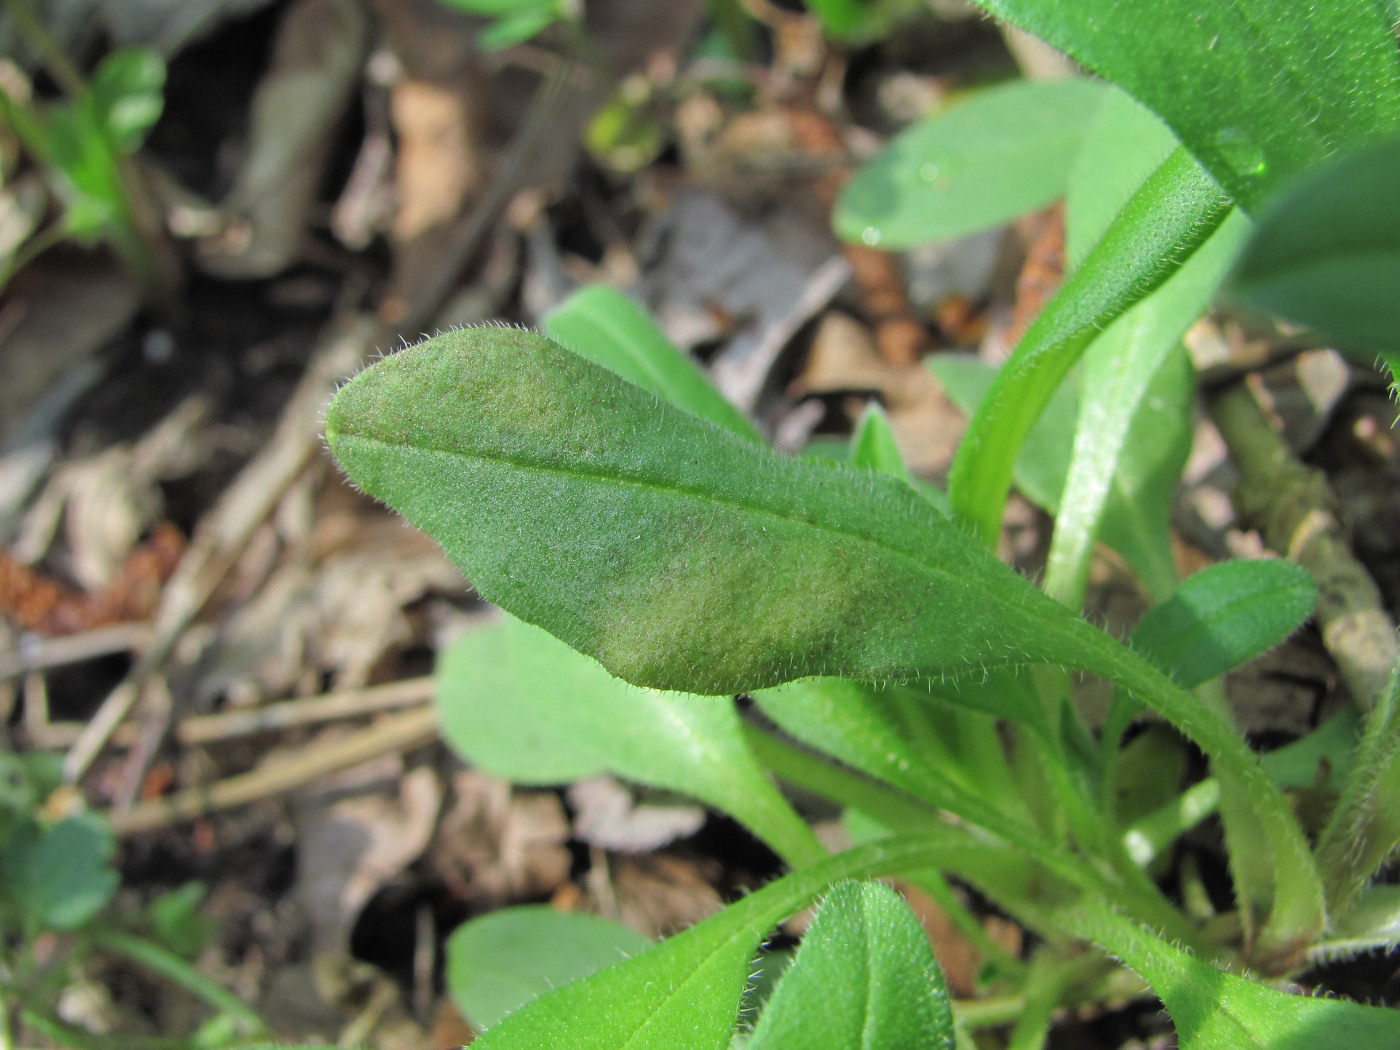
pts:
[1050, 623]
[868, 1026]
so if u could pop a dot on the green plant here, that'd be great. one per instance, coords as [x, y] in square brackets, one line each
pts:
[603, 494]
[84, 143]
[56, 881]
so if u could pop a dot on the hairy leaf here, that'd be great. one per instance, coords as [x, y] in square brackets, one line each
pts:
[1174, 211]
[1258, 90]
[684, 993]
[1135, 426]
[864, 979]
[498, 962]
[1224, 616]
[1213, 1010]
[1124, 145]
[677, 554]
[682, 556]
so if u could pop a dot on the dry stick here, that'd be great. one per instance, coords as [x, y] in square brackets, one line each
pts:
[225, 531]
[40, 654]
[1293, 508]
[223, 534]
[390, 734]
[463, 242]
[229, 725]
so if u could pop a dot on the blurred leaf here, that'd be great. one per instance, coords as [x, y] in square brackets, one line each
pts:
[611, 330]
[523, 705]
[1002, 153]
[176, 921]
[1327, 253]
[848, 19]
[127, 96]
[873, 444]
[864, 979]
[60, 875]
[1124, 145]
[498, 962]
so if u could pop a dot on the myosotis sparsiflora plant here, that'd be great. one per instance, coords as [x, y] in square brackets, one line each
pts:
[605, 494]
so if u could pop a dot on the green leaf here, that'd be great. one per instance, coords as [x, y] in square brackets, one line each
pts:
[885, 733]
[1319, 761]
[1364, 829]
[611, 330]
[1004, 152]
[1041, 467]
[1372, 922]
[60, 875]
[127, 96]
[848, 19]
[523, 705]
[1224, 616]
[498, 962]
[1327, 253]
[680, 555]
[1219, 619]
[1172, 214]
[1213, 1010]
[176, 921]
[1258, 90]
[518, 28]
[674, 552]
[879, 733]
[873, 444]
[1157, 437]
[684, 993]
[1135, 427]
[864, 979]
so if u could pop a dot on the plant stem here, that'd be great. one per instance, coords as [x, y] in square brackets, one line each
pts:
[178, 971]
[802, 769]
[1299, 910]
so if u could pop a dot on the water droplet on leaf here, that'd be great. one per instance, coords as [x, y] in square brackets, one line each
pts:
[870, 236]
[1241, 152]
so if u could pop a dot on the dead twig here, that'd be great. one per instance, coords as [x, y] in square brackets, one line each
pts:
[391, 734]
[225, 531]
[34, 653]
[1293, 507]
[231, 725]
